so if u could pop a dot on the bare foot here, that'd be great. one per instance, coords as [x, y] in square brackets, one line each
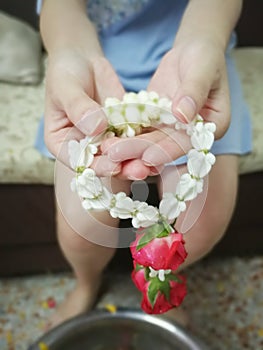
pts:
[81, 299]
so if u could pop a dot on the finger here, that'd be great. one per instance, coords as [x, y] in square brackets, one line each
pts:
[103, 71]
[58, 130]
[151, 171]
[193, 92]
[133, 147]
[134, 170]
[156, 170]
[86, 114]
[175, 144]
[217, 108]
[106, 144]
[103, 166]
[165, 80]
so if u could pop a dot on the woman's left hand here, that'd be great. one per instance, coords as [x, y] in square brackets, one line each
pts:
[193, 75]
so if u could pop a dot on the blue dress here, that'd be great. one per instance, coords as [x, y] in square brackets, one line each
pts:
[135, 35]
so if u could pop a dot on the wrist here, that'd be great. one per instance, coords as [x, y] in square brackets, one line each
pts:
[76, 50]
[64, 26]
[212, 20]
[203, 35]
[197, 43]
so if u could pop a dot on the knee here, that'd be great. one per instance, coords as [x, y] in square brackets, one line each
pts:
[72, 240]
[81, 235]
[202, 239]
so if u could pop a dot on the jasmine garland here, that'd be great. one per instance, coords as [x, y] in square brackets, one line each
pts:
[158, 249]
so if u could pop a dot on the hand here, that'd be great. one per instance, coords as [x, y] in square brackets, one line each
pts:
[130, 152]
[75, 91]
[194, 76]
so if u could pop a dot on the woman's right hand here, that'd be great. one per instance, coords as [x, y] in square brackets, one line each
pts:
[76, 87]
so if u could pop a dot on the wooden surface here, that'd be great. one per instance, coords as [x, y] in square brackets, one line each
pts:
[28, 239]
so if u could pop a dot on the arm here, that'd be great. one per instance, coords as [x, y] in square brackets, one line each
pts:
[211, 19]
[78, 77]
[201, 43]
[64, 25]
[193, 74]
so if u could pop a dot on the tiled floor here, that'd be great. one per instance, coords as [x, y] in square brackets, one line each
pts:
[225, 301]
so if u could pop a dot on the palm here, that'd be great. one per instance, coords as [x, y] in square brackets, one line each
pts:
[189, 69]
[74, 93]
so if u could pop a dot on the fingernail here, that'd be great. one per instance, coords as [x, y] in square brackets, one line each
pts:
[154, 171]
[149, 164]
[92, 123]
[186, 109]
[133, 178]
[116, 170]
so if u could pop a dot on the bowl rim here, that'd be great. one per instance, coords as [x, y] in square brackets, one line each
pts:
[166, 324]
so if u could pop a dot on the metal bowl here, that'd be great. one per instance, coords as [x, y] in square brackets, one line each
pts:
[122, 330]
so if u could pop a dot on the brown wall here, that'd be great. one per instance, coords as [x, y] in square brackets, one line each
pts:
[24, 9]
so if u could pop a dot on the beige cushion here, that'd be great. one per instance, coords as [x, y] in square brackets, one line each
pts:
[20, 51]
[249, 62]
[20, 110]
[22, 106]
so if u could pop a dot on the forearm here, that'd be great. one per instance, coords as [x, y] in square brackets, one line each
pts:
[211, 19]
[64, 25]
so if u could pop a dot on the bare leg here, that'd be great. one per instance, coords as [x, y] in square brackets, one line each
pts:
[87, 241]
[206, 219]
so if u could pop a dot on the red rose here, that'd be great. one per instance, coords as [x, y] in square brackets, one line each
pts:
[138, 276]
[159, 296]
[178, 291]
[166, 252]
[160, 306]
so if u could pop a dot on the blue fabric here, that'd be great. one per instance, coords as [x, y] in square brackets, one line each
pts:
[39, 142]
[135, 46]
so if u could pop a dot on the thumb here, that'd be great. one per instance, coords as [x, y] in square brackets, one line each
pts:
[191, 95]
[86, 114]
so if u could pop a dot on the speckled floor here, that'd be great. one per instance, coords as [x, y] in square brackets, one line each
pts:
[225, 303]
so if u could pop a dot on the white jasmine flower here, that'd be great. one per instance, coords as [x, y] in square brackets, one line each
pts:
[165, 103]
[199, 163]
[170, 207]
[73, 184]
[167, 117]
[130, 97]
[116, 117]
[111, 101]
[128, 131]
[81, 154]
[188, 187]
[123, 206]
[143, 96]
[180, 126]
[108, 135]
[160, 273]
[153, 96]
[145, 215]
[132, 114]
[149, 114]
[189, 127]
[88, 185]
[101, 202]
[203, 136]
[154, 112]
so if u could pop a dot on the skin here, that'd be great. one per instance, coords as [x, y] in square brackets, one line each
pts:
[192, 74]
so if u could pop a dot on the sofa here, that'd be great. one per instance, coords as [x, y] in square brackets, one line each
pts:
[27, 212]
